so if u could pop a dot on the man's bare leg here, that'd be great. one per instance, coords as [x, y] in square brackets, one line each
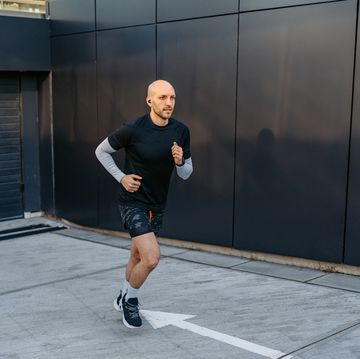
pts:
[133, 261]
[144, 257]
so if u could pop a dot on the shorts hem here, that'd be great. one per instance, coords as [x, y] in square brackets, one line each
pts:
[140, 232]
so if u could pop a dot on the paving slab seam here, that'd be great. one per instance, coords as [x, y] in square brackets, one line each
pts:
[177, 253]
[61, 280]
[127, 247]
[195, 245]
[333, 287]
[208, 264]
[240, 264]
[268, 275]
[93, 241]
[320, 276]
[244, 270]
[272, 276]
[192, 261]
[309, 281]
[299, 281]
[324, 338]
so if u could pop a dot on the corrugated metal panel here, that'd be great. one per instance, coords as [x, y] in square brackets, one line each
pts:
[10, 148]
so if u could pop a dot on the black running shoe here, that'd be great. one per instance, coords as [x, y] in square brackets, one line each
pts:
[117, 303]
[131, 316]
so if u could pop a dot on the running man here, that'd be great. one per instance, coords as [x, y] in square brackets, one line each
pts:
[154, 144]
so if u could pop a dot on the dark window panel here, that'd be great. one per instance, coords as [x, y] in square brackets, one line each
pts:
[120, 13]
[199, 58]
[72, 16]
[295, 82]
[126, 65]
[75, 127]
[352, 243]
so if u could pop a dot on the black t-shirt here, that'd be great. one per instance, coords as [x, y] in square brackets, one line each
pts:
[148, 154]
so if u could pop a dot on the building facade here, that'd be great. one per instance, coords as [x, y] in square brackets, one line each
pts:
[269, 90]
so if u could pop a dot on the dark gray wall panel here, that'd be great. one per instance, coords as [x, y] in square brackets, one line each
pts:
[75, 127]
[71, 16]
[118, 13]
[199, 58]
[24, 44]
[248, 5]
[126, 65]
[30, 142]
[294, 99]
[46, 145]
[352, 243]
[173, 9]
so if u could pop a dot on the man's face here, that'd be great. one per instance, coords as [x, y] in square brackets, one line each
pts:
[162, 101]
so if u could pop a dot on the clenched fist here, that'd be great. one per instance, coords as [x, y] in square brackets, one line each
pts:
[131, 182]
[177, 153]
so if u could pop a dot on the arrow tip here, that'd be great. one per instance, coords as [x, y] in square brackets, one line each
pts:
[162, 319]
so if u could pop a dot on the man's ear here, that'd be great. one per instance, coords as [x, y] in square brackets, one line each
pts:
[148, 101]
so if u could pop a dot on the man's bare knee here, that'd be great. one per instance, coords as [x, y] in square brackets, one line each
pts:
[151, 262]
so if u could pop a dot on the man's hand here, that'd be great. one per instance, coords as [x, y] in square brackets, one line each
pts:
[177, 153]
[131, 182]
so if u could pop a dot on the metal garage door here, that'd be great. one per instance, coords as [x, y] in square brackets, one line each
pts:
[11, 203]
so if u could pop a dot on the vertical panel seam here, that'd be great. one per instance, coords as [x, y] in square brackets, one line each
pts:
[235, 127]
[97, 122]
[21, 116]
[156, 39]
[95, 16]
[350, 133]
[52, 142]
[37, 127]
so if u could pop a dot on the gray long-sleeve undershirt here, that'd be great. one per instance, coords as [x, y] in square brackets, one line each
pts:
[103, 153]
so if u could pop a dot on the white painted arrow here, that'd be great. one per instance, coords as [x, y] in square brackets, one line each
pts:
[163, 319]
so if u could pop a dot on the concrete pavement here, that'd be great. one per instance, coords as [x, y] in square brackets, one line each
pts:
[57, 289]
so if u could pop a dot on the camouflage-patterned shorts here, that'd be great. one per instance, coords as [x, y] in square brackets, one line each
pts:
[138, 221]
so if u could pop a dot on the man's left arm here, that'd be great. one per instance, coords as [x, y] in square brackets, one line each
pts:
[186, 169]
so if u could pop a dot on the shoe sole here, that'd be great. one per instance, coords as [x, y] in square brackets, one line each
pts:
[116, 306]
[129, 325]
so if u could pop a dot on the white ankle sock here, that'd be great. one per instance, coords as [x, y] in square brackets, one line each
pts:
[131, 292]
[125, 287]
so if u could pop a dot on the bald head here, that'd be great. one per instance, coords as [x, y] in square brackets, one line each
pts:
[158, 86]
[161, 100]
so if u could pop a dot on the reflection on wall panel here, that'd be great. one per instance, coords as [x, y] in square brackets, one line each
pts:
[294, 98]
[75, 127]
[199, 58]
[168, 10]
[45, 146]
[352, 243]
[247, 5]
[119, 13]
[126, 65]
[70, 16]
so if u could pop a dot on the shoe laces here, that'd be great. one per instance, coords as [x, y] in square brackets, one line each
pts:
[133, 309]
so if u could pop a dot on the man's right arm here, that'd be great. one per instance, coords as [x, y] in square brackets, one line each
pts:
[103, 153]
